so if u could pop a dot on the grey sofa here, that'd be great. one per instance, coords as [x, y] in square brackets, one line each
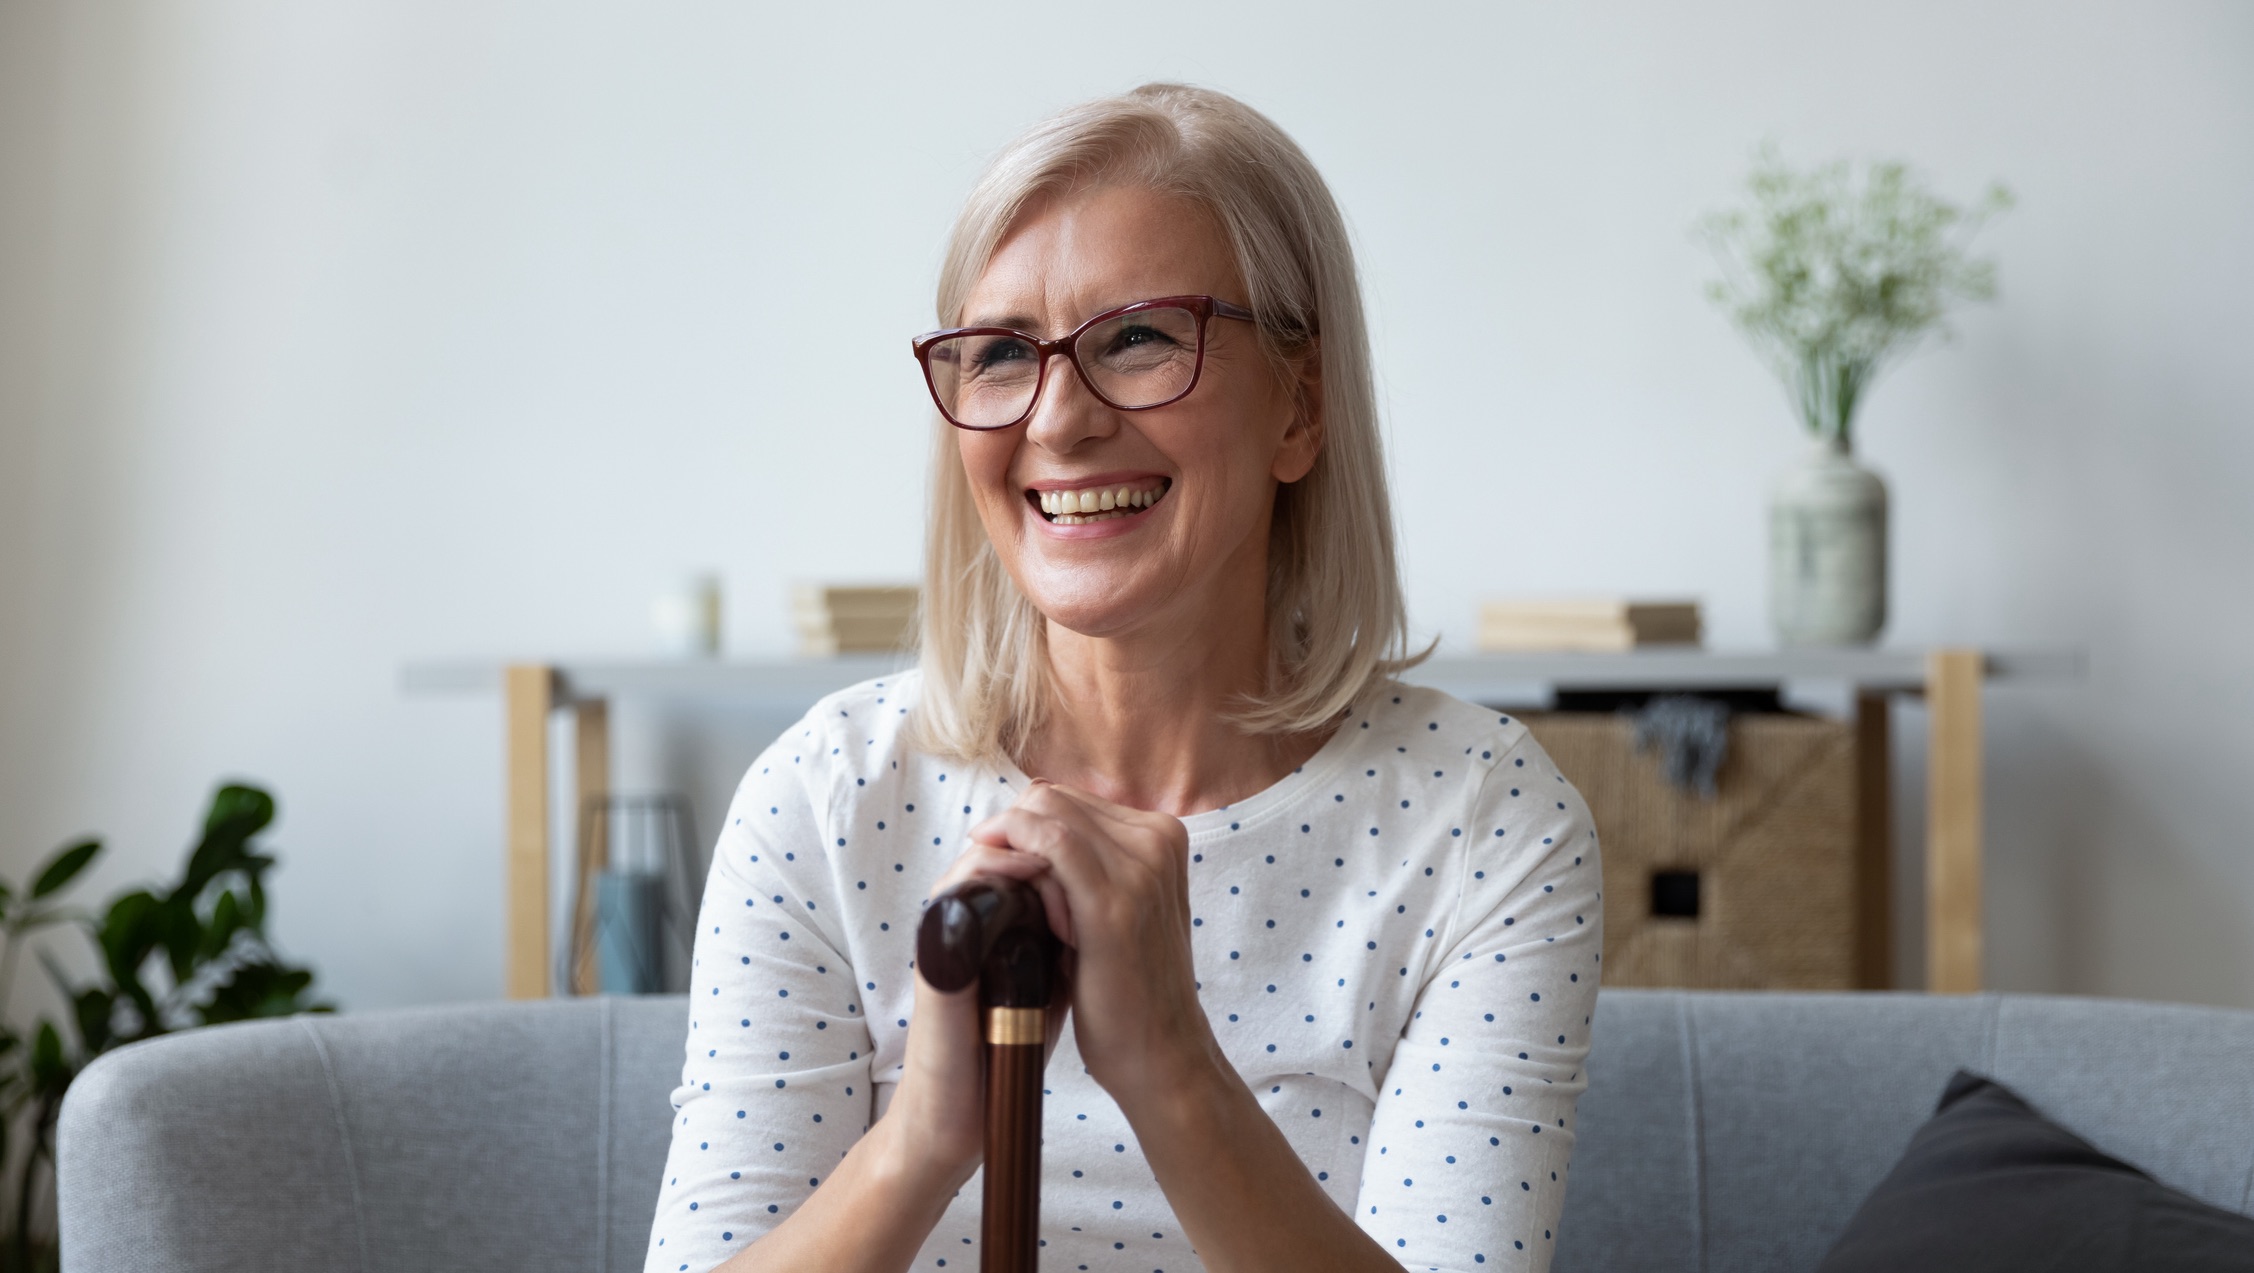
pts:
[1721, 1131]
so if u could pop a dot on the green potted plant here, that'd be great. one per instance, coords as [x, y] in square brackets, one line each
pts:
[193, 954]
[1833, 276]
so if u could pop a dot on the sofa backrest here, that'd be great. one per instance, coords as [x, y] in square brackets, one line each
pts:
[1724, 1132]
[480, 1137]
[1740, 1131]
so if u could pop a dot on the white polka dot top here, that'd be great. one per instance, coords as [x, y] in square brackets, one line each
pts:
[1397, 945]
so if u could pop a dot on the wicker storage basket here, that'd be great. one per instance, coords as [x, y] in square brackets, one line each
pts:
[1753, 889]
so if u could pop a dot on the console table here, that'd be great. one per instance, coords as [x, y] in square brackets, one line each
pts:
[1949, 680]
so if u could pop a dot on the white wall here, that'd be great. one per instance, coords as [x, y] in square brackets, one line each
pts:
[336, 336]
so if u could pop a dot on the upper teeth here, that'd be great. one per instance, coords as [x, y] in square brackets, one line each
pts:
[1101, 499]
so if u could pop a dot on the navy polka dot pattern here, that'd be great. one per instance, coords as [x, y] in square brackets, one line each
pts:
[1396, 945]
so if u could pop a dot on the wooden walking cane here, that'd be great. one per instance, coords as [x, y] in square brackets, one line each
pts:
[992, 930]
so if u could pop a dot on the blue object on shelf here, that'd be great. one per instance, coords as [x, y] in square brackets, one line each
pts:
[629, 918]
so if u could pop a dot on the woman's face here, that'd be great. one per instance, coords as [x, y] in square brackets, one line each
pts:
[1189, 545]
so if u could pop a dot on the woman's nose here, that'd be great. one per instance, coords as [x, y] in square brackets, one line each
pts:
[1066, 413]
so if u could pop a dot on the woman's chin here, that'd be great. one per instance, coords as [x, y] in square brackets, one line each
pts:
[1093, 606]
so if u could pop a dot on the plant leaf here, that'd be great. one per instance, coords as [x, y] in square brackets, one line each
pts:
[239, 803]
[47, 1064]
[237, 814]
[226, 917]
[182, 935]
[216, 973]
[64, 867]
[129, 934]
[262, 988]
[93, 1008]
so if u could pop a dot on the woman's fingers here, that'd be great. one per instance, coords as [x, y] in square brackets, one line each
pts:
[980, 859]
[1134, 829]
[1060, 999]
[1028, 868]
[1156, 845]
[1056, 905]
[1048, 826]
[1096, 848]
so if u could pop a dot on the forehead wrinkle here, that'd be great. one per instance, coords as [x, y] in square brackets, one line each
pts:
[1064, 254]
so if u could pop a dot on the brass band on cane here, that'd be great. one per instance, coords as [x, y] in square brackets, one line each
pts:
[1017, 1025]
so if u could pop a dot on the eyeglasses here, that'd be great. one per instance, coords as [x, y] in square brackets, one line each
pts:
[1133, 358]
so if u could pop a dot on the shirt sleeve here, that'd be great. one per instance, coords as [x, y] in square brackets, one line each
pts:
[776, 1085]
[1465, 1167]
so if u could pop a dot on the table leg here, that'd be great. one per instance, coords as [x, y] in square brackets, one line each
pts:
[1874, 841]
[529, 691]
[591, 744]
[1952, 833]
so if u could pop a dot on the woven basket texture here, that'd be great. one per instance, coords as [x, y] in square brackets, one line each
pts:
[1774, 851]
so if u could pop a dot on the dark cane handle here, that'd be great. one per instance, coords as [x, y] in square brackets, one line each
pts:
[993, 930]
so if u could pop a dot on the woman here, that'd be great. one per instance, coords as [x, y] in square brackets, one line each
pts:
[1334, 938]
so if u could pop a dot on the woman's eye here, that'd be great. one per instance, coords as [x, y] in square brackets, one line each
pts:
[1140, 345]
[1139, 336]
[999, 353]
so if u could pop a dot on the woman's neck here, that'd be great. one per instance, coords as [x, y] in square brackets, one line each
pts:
[1141, 719]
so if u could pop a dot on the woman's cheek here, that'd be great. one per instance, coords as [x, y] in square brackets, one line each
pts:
[986, 467]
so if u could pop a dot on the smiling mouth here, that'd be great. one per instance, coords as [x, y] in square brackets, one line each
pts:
[1099, 503]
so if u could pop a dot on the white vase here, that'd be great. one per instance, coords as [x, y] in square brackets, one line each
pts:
[1827, 550]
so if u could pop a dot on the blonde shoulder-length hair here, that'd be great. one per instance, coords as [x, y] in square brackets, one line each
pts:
[1335, 616]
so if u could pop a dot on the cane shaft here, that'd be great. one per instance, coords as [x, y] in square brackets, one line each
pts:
[994, 931]
[1010, 1228]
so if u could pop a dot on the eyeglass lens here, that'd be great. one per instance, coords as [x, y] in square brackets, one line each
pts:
[1141, 359]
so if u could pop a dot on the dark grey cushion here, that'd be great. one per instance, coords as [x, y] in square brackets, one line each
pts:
[1990, 1186]
[1723, 1132]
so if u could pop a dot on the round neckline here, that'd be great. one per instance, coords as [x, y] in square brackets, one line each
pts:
[1258, 805]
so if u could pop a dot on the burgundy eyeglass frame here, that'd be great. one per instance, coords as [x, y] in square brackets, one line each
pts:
[1206, 308]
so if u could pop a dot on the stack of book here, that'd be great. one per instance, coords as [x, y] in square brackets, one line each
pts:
[856, 620]
[1596, 624]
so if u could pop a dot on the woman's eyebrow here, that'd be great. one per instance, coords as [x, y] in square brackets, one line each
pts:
[1017, 322]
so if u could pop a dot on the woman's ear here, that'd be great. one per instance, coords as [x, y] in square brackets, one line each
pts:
[1303, 439]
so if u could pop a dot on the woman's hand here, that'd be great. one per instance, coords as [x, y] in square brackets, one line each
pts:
[1115, 884]
[938, 1111]
[941, 1100]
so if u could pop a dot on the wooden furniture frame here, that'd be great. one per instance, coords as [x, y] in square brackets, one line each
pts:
[1949, 680]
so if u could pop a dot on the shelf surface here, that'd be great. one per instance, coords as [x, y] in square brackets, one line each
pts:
[1521, 678]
